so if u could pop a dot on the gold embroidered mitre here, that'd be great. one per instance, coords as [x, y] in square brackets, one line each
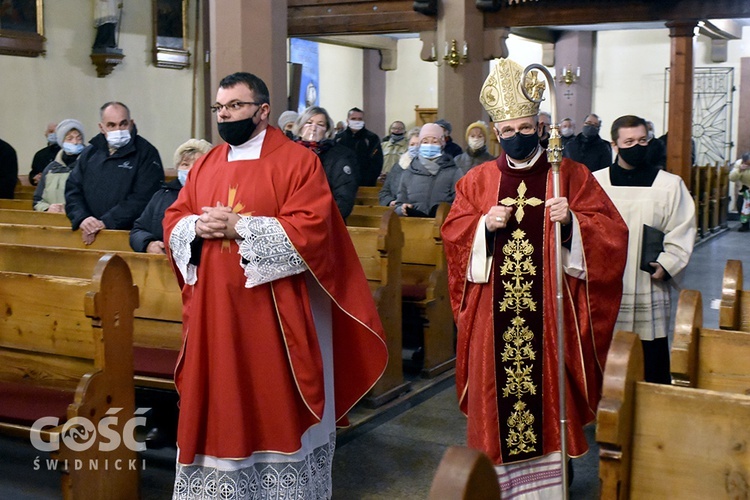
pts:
[501, 93]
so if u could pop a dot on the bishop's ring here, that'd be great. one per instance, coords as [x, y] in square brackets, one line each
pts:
[499, 219]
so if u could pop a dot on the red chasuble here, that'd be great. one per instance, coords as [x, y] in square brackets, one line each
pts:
[506, 359]
[250, 374]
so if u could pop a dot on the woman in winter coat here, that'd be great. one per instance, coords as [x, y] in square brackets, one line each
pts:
[389, 192]
[476, 153]
[147, 234]
[431, 177]
[314, 130]
[49, 195]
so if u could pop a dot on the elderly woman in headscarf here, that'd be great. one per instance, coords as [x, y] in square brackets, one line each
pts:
[431, 177]
[476, 153]
[147, 234]
[49, 195]
[314, 130]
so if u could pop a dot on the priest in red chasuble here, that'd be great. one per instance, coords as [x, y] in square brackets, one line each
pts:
[499, 245]
[280, 333]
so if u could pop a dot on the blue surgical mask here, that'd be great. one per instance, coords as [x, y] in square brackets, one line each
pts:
[52, 138]
[429, 150]
[71, 148]
[182, 176]
[413, 151]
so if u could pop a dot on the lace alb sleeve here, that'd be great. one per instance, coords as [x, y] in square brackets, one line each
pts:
[267, 252]
[182, 236]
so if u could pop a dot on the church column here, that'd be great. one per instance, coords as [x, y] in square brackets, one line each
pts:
[680, 99]
[574, 100]
[459, 87]
[743, 129]
[373, 92]
[250, 35]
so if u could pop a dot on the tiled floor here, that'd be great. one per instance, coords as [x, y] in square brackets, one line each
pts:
[394, 456]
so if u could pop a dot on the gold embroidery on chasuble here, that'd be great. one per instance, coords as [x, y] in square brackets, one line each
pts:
[237, 208]
[518, 317]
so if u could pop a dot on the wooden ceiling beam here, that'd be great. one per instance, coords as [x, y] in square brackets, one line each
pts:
[339, 17]
[577, 12]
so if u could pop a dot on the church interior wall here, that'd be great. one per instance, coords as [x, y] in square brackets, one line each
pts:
[340, 73]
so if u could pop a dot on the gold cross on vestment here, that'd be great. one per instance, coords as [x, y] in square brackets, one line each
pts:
[521, 201]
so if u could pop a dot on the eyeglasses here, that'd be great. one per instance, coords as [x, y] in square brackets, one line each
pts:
[508, 133]
[643, 141]
[232, 106]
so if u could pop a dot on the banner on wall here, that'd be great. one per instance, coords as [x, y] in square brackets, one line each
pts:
[305, 52]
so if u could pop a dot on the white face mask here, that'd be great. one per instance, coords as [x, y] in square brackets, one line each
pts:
[118, 138]
[312, 132]
[476, 142]
[182, 176]
[356, 124]
[566, 131]
[52, 138]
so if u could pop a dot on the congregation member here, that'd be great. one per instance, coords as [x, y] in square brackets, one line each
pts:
[431, 177]
[740, 174]
[286, 122]
[543, 129]
[657, 151]
[49, 195]
[567, 131]
[147, 234]
[588, 148]
[282, 336]
[8, 170]
[476, 152]
[501, 275]
[366, 147]
[314, 130]
[389, 192]
[450, 147]
[46, 155]
[393, 146]
[114, 178]
[648, 198]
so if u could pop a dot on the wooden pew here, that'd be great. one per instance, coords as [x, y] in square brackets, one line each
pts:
[665, 441]
[158, 320]
[17, 204]
[734, 311]
[425, 284]
[32, 217]
[367, 195]
[54, 362]
[369, 210]
[465, 474]
[704, 357]
[379, 250]
[21, 234]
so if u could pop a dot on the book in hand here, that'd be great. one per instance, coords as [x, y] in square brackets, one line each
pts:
[652, 244]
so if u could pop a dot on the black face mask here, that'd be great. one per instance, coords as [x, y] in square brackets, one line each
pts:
[635, 156]
[520, 146]
[238, 132]
[590, 131]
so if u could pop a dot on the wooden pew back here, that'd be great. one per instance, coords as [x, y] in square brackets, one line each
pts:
[367, 195]
[734, 311]
[32, 217]
[707, 358]
[21, 234]
[17, 204]
[662, 441]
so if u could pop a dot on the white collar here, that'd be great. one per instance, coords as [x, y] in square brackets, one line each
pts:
[525, 164]
[249, 150]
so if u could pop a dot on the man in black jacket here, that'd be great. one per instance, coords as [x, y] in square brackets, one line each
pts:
[8, 170]
[115, 176]
[588, 148]
[366, 146]
[44, 156]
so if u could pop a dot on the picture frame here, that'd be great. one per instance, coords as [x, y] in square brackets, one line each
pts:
[22, 28]
[170, 19]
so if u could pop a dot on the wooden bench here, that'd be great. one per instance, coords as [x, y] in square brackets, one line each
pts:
[465, 474]
[32, 217]
[22, 234]
[17, 204]
[665, 441]
[706, 358]
[369, 210]
[734, 311]
[367, 195]
[54, 362]
[425, 285]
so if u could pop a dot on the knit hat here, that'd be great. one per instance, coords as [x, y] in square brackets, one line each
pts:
[501, 93]
[66, 126]
[286, 118]
[431, 130]
[480, 125]
[446, 125]
[191, 145]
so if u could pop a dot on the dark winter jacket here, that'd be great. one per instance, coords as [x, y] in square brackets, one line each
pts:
[113, 188]
[147, 227]
[425, 191]
[389, 191]
[594, 152]
[340, 166]
[51, 187]
[470, 159]
[366, 147]
[42, 158]
[8, 170]
[452, 148]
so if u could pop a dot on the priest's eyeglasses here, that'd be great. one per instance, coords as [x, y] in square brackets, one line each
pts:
[232, 106]
[509, 132]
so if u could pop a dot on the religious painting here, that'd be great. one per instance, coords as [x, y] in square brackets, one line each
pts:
[305, 52]
[22, 27]
[170, 34]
